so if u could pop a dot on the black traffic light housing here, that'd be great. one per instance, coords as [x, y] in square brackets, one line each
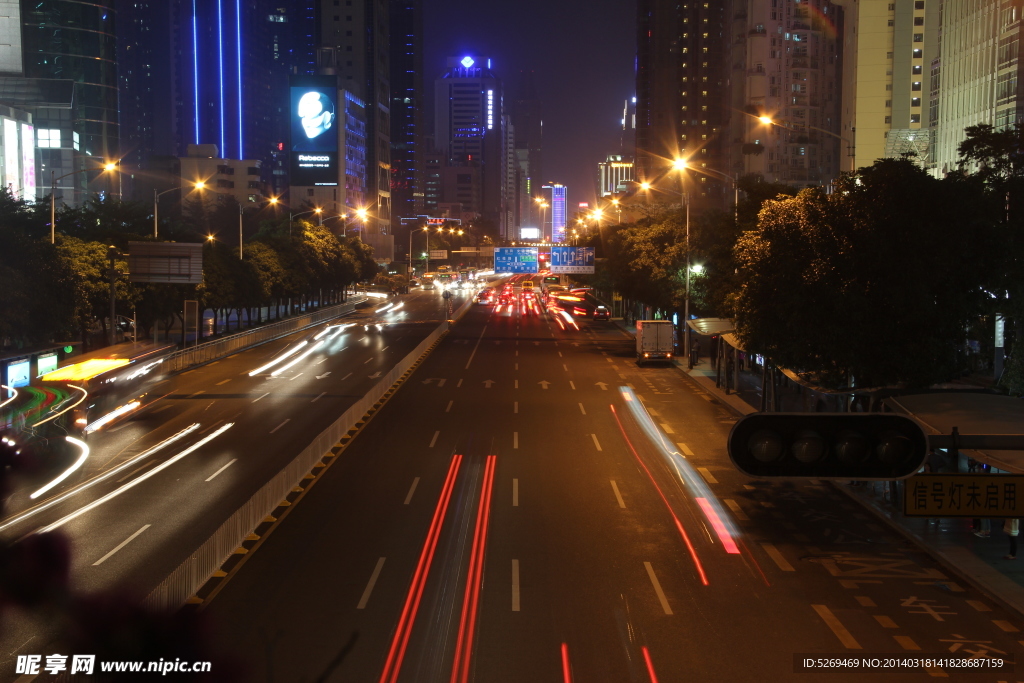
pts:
[862, 446]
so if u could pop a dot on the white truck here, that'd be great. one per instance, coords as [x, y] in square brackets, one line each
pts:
[654, 340]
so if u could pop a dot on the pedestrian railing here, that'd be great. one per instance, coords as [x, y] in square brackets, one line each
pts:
[218, 348]
[191, 574]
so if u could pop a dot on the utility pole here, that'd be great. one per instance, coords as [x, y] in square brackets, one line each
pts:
[112, 274]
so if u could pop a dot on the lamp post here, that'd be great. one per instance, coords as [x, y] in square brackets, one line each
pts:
[768, 121]
[110, 166]
[293, 216]
[156, 204]
[618, 209]
[681, 166]
[362, 215]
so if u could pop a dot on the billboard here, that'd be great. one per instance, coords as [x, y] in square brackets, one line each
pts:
[314, 106]
[28, 162]
[438, 253]
[529, 233]
[177, 262]
[12, 157]
[46, 363]
[572, 260]
[515, 259]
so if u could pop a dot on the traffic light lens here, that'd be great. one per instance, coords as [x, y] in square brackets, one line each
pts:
[808, 447]
[893, 448]
[851, 448]
[765, 446]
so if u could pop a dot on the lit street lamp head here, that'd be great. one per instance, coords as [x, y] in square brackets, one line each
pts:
[680, 164]
[645, 186]
[766, 120]
[200, 185]
[110, 167]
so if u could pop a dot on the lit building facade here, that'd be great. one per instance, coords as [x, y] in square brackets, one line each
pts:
[614, 175]
[407, 115]
[786, 67]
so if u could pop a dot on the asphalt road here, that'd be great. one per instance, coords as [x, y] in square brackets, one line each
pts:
[131, 529]
[512, 515]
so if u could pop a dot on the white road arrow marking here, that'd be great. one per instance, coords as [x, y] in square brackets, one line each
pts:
[604, 387]
[374, 375]
[439, 380]
[323, 375]
[544, 384]
[488, 383]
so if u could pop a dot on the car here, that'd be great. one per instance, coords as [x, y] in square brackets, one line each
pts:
[504, 299]
[485, 297]
[602, 313]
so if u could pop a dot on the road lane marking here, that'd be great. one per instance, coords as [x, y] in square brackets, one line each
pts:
[263, 396]
[582, 409]
[136, 470]
[434, 440]
[657, 588]
[618, 496]
[384, 349]
[885, 622]
[225, 381]
[201, 391]
[318, 397]
[1005, 625]
[367, 360]
[653, 412]
[837, 627]
[515, 493]
[119, 546]
[559, 354]
[515, 585]
[865, 601]
[346, 377]
[515, 439]
[572, 385]
[475, 347]
[906, 642]
[412, 490]
[979, 605]
[287, 420]
[517, 366]
[213, 363]
[684, 448]
[597, 444]
[667, 428]
[706, 473]
[565, 367]
[517, 384]
[160, 409]
[459, 384]
[449, 408]
[222, 469]
[369, 586]
[777, 557]
[515, 406]
[737, 510]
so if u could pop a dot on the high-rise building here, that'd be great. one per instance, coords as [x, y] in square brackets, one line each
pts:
[786, 67]
[975, 77]
[681, 75]
[470, 130]
[614, 175]
[355, 44]
[529, 138]
[888, 48]
[407, 114]
[558, 210]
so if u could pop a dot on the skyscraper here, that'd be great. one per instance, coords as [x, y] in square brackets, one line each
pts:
[680, 80]
[407, 111]
[527, 118]
[470, 129]
[354, 41]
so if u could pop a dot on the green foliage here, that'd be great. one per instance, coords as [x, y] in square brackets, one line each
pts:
[876, 281]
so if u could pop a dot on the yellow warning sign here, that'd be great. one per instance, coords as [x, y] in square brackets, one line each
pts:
[964, 495]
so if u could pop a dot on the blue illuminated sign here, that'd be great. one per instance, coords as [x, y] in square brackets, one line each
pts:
[572, 260]
[515, 260]
[467, 62]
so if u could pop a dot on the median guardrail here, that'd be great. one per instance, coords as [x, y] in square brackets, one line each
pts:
[225, 346]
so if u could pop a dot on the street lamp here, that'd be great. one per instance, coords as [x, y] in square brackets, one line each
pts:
[618, 209]
[768, 121]
[109, 166]
[156, 204]
[681, 165]
[293, 216]
[362, 215]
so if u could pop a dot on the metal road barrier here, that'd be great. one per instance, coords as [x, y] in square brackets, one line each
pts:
[212, 350]
[191, 574]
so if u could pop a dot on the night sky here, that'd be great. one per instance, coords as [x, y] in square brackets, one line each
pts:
[582, 53]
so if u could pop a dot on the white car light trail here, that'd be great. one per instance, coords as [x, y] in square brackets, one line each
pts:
[116, 492]
[103, 477]
[111, 416]
[280, 358]
[720, 520]
[310, 350]
[13, 396]
[69, 471]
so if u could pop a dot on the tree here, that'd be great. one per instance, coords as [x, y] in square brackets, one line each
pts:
[875, 281]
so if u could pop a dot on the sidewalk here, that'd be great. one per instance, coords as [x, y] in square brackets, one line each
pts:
[978, 561]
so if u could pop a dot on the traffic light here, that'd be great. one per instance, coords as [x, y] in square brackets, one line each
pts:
[863, 446]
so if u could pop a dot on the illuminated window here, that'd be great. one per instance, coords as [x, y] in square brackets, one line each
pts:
[48, 138]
